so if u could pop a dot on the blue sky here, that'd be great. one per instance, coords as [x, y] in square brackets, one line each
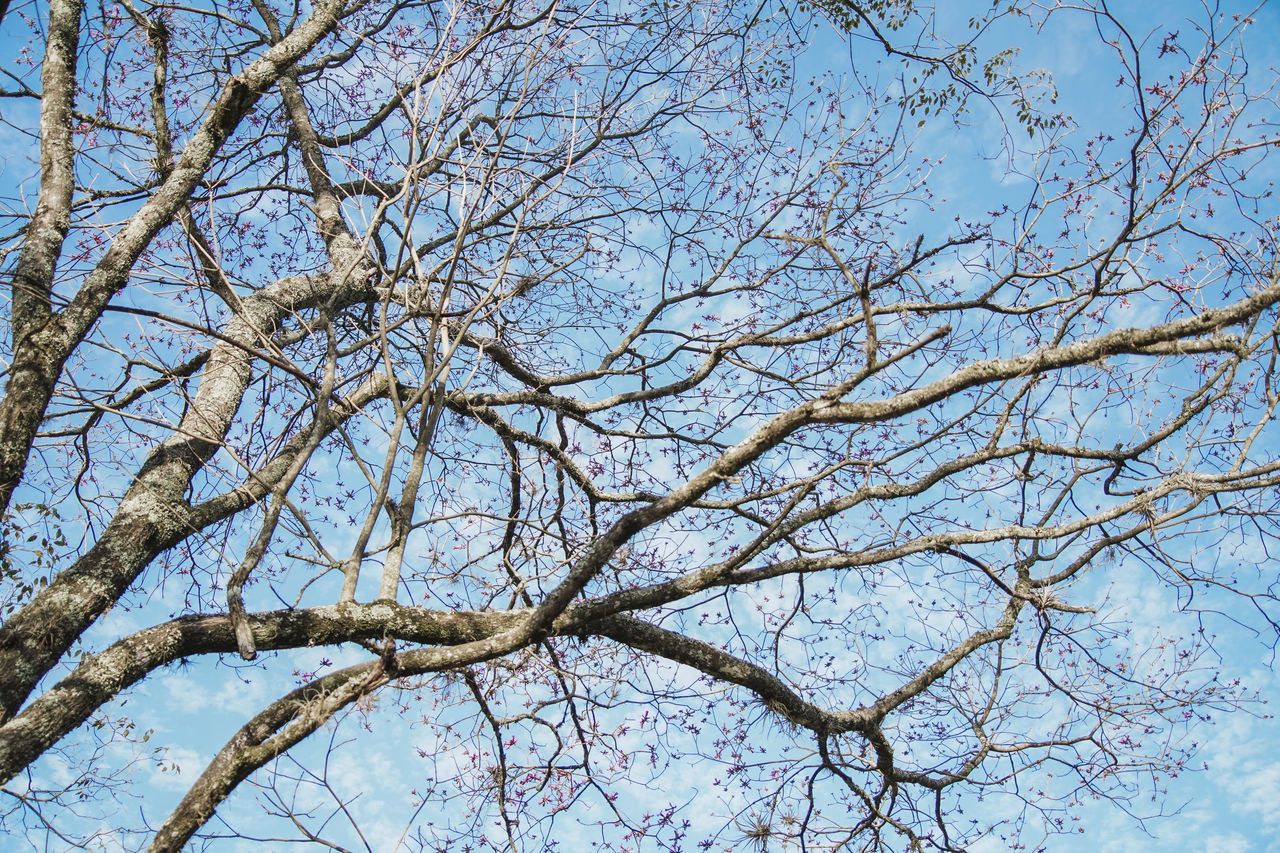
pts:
[1229, 807]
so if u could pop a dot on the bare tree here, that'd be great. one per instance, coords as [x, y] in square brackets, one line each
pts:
[630, 401]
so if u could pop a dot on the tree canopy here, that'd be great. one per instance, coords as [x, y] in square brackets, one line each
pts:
[648, 425]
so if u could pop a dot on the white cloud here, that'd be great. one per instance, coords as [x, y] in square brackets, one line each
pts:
[177, 769]
[1231, 842]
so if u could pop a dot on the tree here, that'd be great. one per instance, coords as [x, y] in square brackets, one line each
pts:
[607, 396]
